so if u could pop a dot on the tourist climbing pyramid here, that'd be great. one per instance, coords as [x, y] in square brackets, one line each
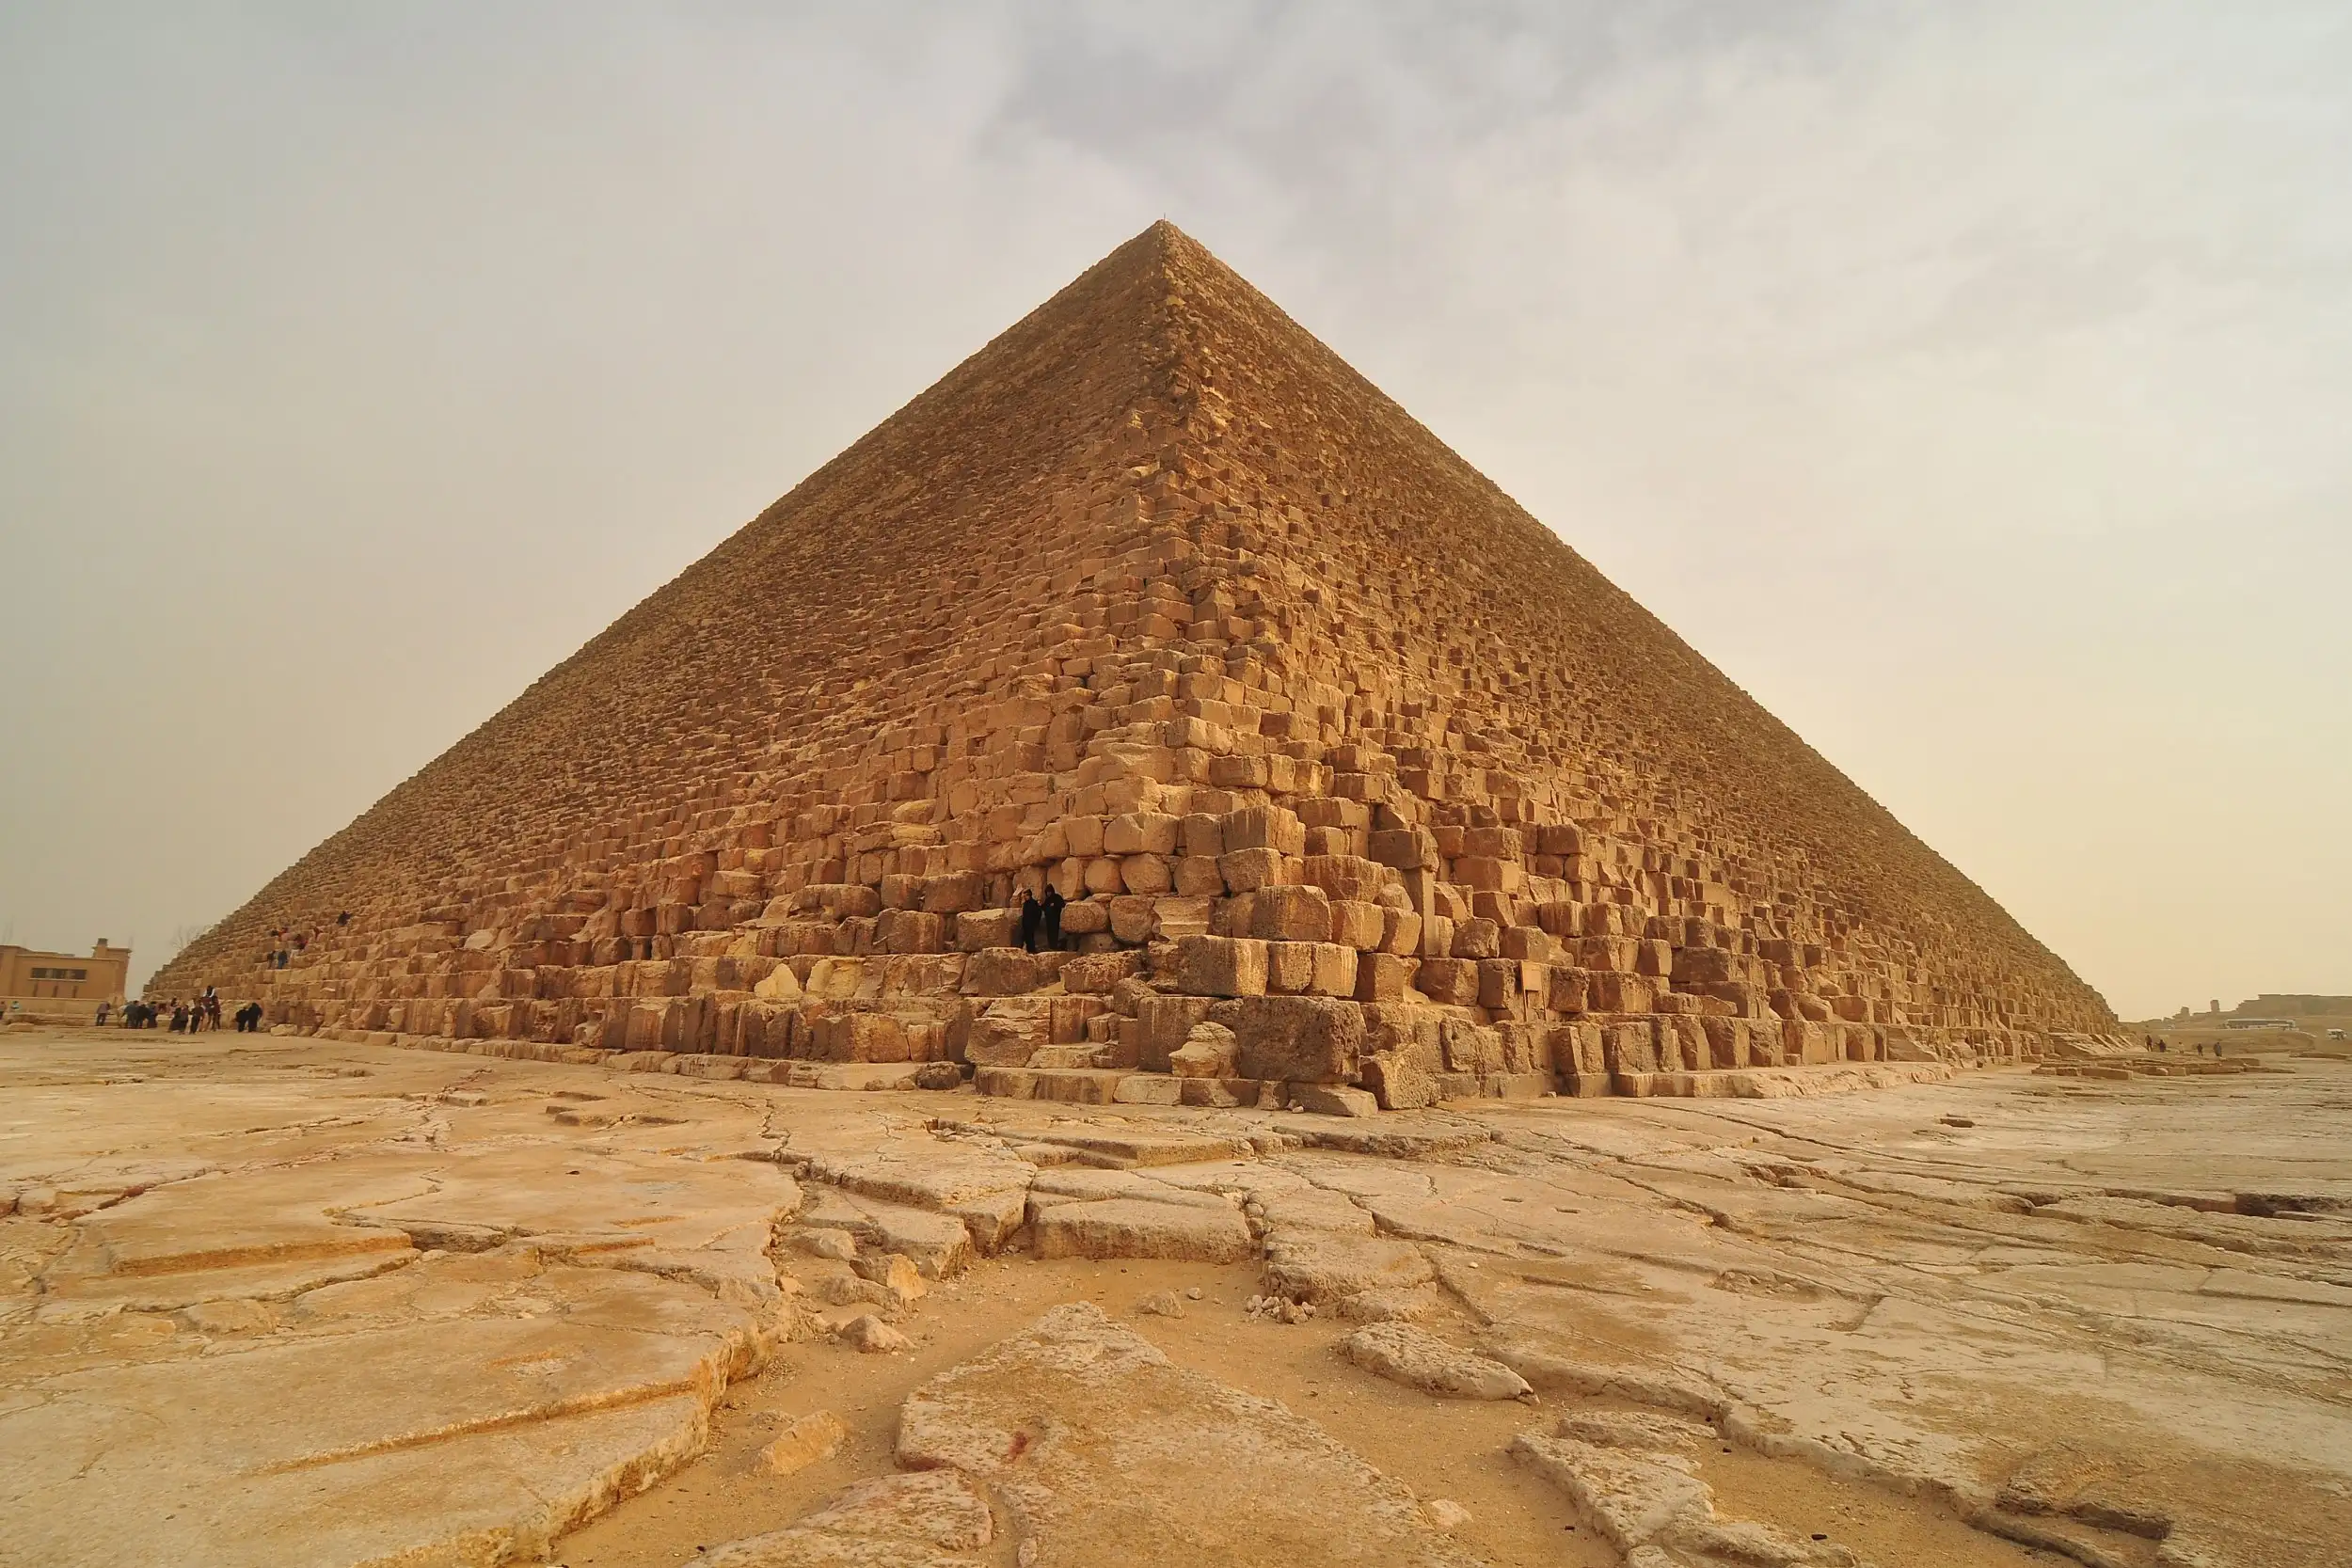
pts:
[1359, 787]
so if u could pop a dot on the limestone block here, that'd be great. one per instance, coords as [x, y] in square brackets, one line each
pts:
[1345, 877]
[1397, 1084]
[1248, 870]
[1146, 874]
[1399, 932]
[1010, 1030]
[1332, 1099]
[1083, 836]
[1477, 939]
[1614, 992]
[1406, 848]
[1290, 967]
[1068, 1017]
[1567, 989]
[1498, 983]
[1201, 836]
[1220, 966]
[1630, 1047]
[1210, 1051]
[1358, 925]
[1607, 953]
[1384, 977]
[1530, 944]
[1222, 1094]
[1333, 970]
[1701, 966]
[1133, 1227]
[1147, 1089]
[1140, 833]
[1805, 1041]
[1263, 828]
[1470, 1047]
[1452, 982]
[1295, 1038]
[1166, 1022]
[1086, 917]
[1291, 914]
[1000, 971]
[1098, 975]
[860, 1037]
[1198, 876]
[954, 893]
[1486, 874]
[1175, 918]
[1102, 875]
[906, 930]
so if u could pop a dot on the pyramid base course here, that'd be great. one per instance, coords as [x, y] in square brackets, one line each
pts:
[1182, 1021]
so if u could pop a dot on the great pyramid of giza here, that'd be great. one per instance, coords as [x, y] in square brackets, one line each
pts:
[1358, 783]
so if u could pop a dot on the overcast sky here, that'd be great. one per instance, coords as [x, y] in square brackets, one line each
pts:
[1973, 383]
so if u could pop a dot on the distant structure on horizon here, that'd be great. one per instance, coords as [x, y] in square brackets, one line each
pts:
[63, 985]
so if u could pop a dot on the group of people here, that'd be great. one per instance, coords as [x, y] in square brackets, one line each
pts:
[1044, 914]
[185, 1016]
[285, 942]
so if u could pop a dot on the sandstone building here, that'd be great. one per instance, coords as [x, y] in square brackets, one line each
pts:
[64, 985]
[1359, 782]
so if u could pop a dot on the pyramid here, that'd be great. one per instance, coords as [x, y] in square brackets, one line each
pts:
[1359, 785]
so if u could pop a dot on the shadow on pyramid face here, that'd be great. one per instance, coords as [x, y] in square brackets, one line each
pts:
[1334, 779]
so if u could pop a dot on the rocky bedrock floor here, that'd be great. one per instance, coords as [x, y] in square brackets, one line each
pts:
[285, 1301]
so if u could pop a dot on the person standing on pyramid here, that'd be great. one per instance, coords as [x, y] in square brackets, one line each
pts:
[1052, 910]
[1028, 908]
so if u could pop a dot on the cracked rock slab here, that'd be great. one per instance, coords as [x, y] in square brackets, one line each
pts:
[1419, 1359]
[1134, 1228]
[1093, 1441]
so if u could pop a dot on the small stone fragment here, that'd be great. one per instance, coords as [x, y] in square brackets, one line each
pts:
[896, 1273]
[810, 1440]
[839, 1245]
[1446, 1515]
[1420, 1359]
[1161, 1304]
[871, 1335]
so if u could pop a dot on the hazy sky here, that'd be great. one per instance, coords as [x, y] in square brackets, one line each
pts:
[1973, 383]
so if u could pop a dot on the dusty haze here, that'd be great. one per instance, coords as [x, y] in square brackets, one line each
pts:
[1974, 393]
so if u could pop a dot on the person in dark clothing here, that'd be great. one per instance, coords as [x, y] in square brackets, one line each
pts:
[179, 1016]
[1051, 908]
[1030, 914]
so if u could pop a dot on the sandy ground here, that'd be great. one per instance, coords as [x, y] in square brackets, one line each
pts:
[274, 1300]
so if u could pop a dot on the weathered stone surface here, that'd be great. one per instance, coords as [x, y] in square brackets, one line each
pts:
[811, 1439]
[1210, 1051]
[1325, 1266]
[1414, 1356]
[1303, 1039]
[1776, 1275]
[1098, 1441]
[1132, 1227]
[905, 1521]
